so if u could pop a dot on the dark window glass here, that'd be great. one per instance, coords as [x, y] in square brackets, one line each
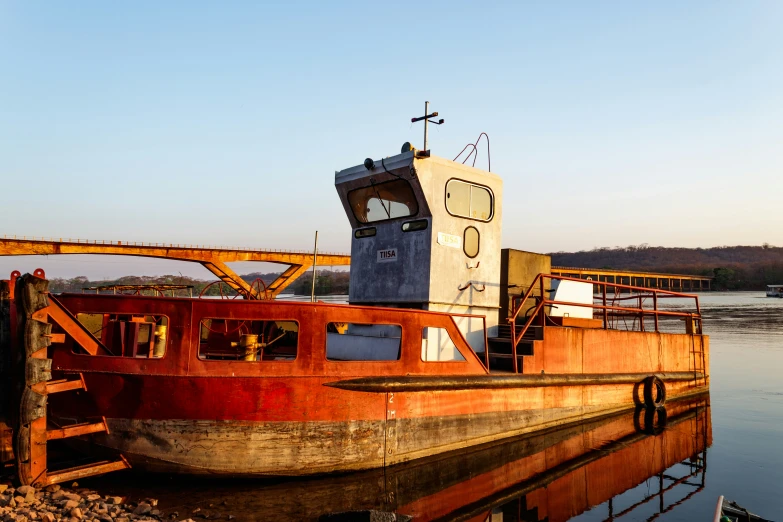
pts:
[412, 226]
[364, 232]
[383, 201]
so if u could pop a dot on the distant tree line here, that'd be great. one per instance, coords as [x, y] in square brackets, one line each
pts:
[327, 282]
[732, 267]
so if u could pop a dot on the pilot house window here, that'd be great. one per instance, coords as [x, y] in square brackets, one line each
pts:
[382, 201]
[467, 200]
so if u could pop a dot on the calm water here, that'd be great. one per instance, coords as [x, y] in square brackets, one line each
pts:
[745, 461]
[588, 473]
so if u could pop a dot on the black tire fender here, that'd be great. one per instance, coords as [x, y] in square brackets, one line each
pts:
[654, 392]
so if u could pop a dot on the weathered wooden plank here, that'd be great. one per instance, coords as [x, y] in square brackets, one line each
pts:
[31, 439]
[32, 407]
[38, 370]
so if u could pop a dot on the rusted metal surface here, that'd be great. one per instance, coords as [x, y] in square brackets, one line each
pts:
[484, 382]
[539, 313]
[76, 430]
[213, 259]
[64, 385]
[87, 470]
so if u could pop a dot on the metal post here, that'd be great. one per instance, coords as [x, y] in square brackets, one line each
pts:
[606, 312]
[655, 307]
[315, 259]
[542, 313]
[426, 112]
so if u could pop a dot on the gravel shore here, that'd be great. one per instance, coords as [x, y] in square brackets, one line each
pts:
[75, 504]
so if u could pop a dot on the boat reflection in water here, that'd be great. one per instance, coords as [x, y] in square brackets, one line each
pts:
[553, 476]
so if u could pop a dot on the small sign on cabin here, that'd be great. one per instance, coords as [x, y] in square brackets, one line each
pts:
[387, 255]
[449, 240]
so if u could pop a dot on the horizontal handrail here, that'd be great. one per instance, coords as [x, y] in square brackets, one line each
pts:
[108, 242]
[641, 289]
[642, 293]
[646, 311]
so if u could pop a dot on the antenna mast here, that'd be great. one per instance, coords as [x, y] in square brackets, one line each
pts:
[427, 120]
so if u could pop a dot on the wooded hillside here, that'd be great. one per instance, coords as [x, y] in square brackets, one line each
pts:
[734, 268]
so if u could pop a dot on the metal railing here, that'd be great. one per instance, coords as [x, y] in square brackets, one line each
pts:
[107, 242]
[608, 311]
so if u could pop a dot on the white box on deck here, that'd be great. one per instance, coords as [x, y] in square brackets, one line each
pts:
[572, 292]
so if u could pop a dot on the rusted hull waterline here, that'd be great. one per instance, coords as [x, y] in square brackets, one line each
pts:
[283, 433]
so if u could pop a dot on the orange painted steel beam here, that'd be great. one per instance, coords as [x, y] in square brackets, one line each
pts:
[289, 276]
[65, 385]
[88, 470]
[213, 259]
[72, 327]
[230, 277]
[18, 247]
[76, 430]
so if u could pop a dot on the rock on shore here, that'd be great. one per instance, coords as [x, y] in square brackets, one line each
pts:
[58, 504]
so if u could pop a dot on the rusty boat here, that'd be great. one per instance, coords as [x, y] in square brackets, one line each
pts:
[448, 342]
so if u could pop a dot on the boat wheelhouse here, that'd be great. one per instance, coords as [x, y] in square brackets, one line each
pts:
[448, 341]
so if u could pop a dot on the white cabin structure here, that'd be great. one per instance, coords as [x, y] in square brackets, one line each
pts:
[426, 235]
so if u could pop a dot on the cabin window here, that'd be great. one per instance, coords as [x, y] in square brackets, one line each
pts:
[470, 243]
[364, 232]
[128, 335]
[437, 345]
[363, 342]
[412, 226]
[223, 339]
[383, 201]
[467, 200]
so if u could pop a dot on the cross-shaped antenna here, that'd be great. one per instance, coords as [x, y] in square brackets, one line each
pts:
[427, 120]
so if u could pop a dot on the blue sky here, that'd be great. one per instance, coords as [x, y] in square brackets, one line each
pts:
[612, 123]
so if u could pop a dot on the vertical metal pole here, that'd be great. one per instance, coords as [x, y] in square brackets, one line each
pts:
[315, 260]
[426, 112]
[655, 307]
[606, 312]
[542, 313]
